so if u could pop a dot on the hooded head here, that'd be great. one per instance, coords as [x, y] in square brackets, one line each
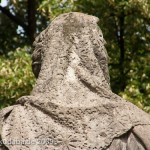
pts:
[70, 34]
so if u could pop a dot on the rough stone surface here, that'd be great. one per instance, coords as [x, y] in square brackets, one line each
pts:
[72, 103]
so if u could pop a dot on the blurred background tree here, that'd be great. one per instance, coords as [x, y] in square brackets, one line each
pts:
[126, 28]
[16, 78]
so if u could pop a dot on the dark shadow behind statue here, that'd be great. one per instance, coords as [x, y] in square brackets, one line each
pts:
[72, 106]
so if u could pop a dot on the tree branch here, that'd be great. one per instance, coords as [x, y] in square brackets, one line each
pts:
[31, 10]
[15, 19]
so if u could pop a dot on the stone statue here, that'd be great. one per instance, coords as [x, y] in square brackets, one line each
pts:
[72, 106]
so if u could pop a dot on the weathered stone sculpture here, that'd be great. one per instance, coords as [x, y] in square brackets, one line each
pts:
[72, 103]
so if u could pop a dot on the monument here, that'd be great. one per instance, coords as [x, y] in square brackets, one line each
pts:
[72, 106]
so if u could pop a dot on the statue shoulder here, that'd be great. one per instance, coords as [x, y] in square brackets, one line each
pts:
[3, 115]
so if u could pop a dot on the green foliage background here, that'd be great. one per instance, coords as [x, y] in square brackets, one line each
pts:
[16, 77]
[126, 28]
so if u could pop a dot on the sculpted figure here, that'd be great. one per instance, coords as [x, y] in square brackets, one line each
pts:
[72, 106]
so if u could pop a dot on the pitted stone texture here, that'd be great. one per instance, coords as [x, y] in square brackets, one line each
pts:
[72, 106]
